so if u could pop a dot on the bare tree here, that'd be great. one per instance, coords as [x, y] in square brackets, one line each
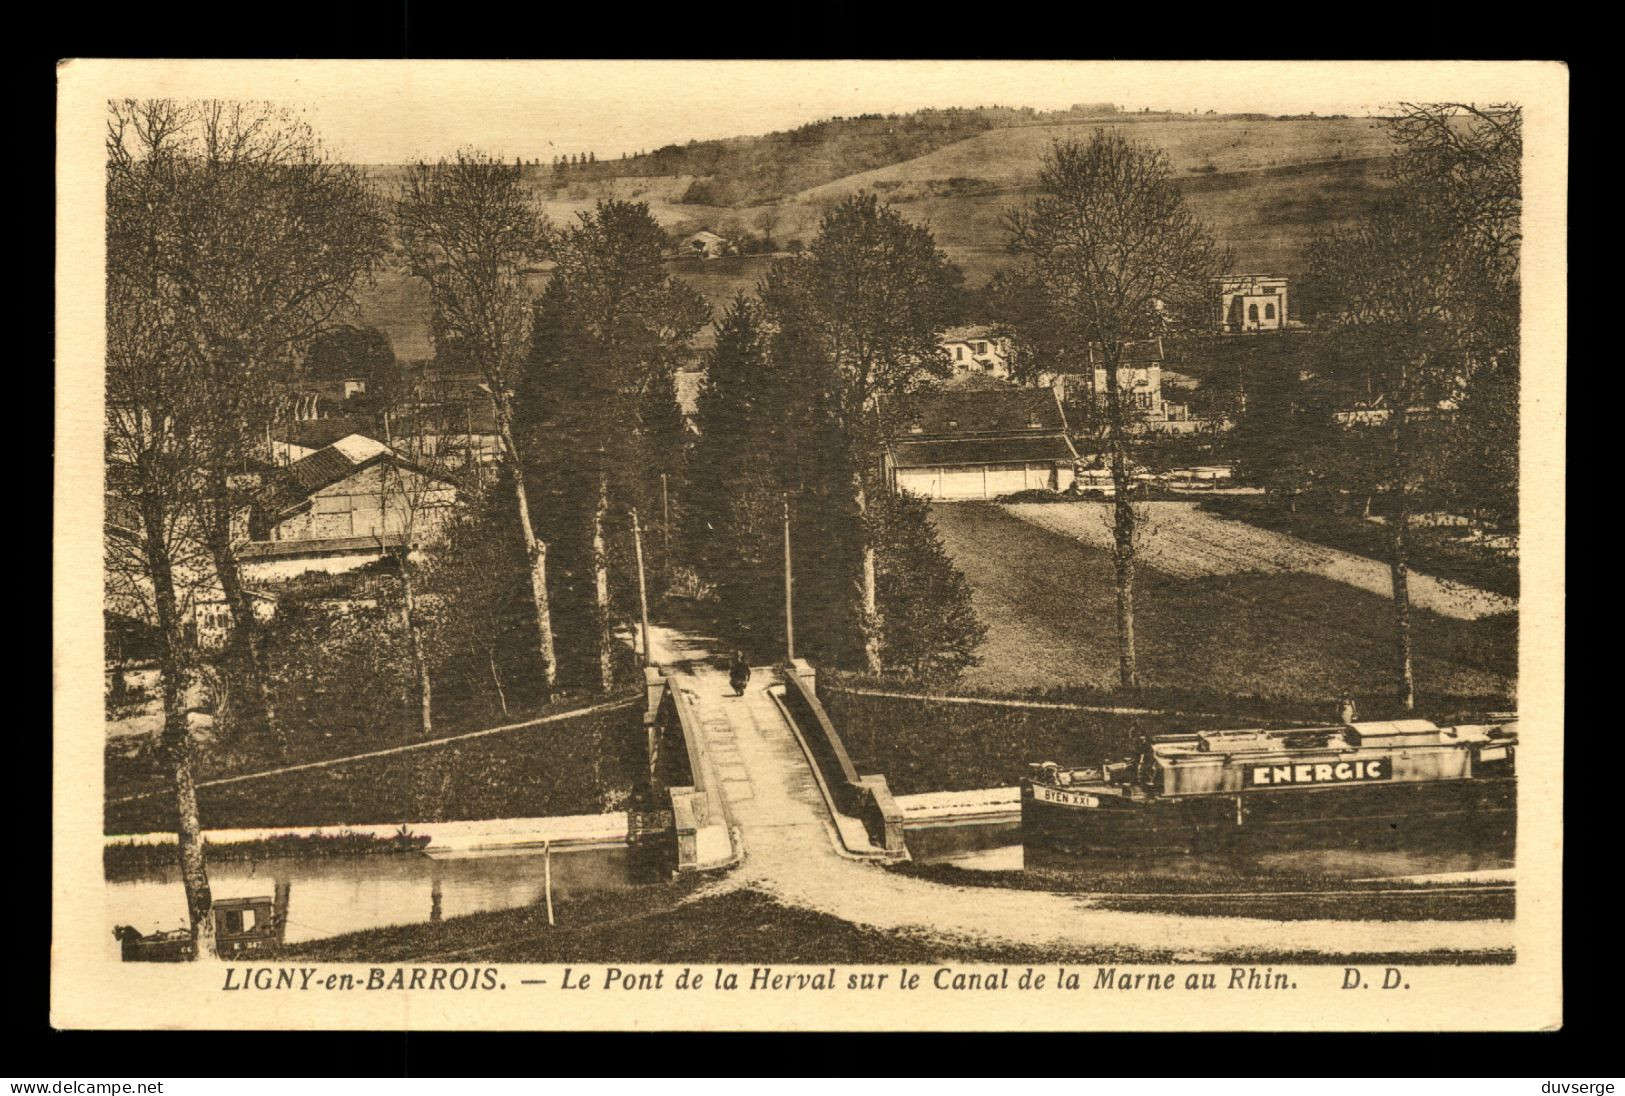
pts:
[265, 243]
[472, 230]
[1426, 291]
[150, 376]
[415, 500]
[1115, 256]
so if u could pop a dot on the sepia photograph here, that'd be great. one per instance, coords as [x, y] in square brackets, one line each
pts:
[865, 545]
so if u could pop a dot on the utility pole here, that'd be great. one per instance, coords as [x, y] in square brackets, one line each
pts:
[643, 592]
[665, 529]
[789, 590]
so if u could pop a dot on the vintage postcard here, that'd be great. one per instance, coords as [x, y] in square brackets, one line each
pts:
[809, 545]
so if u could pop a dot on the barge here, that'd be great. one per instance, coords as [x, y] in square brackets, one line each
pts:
[1400, 784]
[241, 925]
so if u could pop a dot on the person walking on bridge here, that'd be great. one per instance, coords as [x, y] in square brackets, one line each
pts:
[738, 673]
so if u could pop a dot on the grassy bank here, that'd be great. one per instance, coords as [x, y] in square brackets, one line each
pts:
[130, 857]
[580, 765]
[677, 923]
[928, 746]
[924, 745]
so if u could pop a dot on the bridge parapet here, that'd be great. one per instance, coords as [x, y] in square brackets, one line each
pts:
[867, 798]
[704, 832]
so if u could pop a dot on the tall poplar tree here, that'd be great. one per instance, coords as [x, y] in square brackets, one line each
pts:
[472, 231]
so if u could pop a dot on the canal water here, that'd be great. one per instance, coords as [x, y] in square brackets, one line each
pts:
[337, 895]
[330, 896]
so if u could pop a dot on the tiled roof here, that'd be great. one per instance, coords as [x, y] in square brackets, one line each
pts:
[1035, 449]
[966, 332]
[323, 468]
[273, 549]
[978, 411]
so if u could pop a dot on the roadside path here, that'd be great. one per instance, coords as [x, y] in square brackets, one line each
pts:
[790, 853]
[1191, 543]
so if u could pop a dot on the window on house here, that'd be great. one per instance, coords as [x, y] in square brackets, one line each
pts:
[233, 921]
[1252, 313]
[981, 348]
[1269, 312]
[959, 353]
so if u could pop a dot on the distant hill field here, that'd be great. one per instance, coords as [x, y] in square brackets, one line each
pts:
[1265, 186]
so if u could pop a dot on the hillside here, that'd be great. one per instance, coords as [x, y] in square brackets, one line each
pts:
[1265, 185]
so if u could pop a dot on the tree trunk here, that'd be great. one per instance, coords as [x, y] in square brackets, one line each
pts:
[1122, 525]
[1399, 565]
[496, 679]
[600, 576]
[175, 744]
[243, 652]
[870, 610]
[414, 635]
[535, 552]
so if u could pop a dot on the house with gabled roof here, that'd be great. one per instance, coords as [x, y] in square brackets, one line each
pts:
[977, 443]
[342, 507]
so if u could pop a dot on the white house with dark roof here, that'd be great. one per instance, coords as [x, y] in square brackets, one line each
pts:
[977, 349]
[1139, 378]
[706, 244]
[977, 443]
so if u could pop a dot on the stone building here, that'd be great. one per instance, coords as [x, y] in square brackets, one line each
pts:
[1251, 302]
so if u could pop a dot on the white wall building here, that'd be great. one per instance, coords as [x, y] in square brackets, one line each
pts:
[1251, 302]
[977, 349]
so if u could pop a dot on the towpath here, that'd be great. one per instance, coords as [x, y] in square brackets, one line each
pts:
[791, 851]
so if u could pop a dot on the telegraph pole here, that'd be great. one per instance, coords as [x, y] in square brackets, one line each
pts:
[665, 529]
[643, 591]
[789, 590]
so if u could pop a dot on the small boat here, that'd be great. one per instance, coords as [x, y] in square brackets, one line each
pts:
[1405, 783]
[240, 925]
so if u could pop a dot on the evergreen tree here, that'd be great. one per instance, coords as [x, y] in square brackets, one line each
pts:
[600, 401]
[858, 319]
[931, 632]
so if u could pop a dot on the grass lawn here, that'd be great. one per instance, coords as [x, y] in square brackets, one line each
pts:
[1050, 604]
[667, 924]
[1281, 896]
[924, 746]
[583, 765]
